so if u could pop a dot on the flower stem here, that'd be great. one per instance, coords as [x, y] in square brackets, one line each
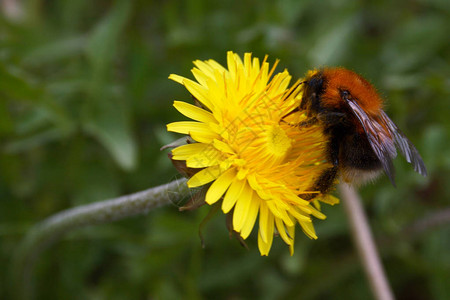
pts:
[43, 234]
[365, 244]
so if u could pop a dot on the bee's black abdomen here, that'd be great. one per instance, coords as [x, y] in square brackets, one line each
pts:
[355, 152]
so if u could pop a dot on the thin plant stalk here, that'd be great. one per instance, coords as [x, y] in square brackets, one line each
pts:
[365, 244]
[43, 234]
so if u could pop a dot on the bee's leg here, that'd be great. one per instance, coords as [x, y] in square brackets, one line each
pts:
[303, 124]
[324, 183]
[307, 123]
[308, 196]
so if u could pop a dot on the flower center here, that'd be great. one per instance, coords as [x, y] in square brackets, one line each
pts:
[277, 142]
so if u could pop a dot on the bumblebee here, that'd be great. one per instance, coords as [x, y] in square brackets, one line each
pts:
[361, 139]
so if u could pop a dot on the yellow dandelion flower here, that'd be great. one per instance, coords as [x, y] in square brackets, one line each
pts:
[248, 148]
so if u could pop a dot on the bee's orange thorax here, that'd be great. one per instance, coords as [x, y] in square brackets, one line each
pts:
[360, 89]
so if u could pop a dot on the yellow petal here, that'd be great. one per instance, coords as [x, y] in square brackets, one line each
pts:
[241, 208]
[242, 173]
[248, 63]
[285, 216]
[185, 151]
[316, 204]
[200, 161]
[186, 127]
[204, 176]
[215, 65]
[199, 92]
[253, 182]
[200, 76]
[299, 215]
[233, 62]
[203, 68]
[219, 186]
[224, 147]
[296, 199]
[232, 195]
[177, 78]
[291, 231]
[265, 222]
[255, 65]
[329, 199]
[308, 229]
[194, 112]
[206, 158]
[265, 245]
[317, 213]
[251, 216]
[272, 205]
[282, 231]
[204, 136]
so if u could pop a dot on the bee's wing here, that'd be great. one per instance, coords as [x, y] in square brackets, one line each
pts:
[406, 147]
[383, 143]
[380, 140]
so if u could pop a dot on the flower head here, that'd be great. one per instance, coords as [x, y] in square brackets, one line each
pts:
[248, 148]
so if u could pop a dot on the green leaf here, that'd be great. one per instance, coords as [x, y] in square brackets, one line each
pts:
[15, 84]
[107, 118]
[104, 37]
[110, 125]
[6, 123]
[332, 46]
[403, 52]
[57, 50]
[35, 140]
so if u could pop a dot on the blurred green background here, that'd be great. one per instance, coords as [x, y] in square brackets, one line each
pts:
[84, 99]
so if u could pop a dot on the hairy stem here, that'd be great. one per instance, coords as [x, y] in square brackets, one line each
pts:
[365, 244]
[43, 234]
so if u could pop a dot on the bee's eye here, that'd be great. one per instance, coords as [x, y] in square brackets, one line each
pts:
[345, 94]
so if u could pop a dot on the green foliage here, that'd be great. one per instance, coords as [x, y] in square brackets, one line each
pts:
[84, 99]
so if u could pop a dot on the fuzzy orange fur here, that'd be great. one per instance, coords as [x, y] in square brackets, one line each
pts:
[360, 89]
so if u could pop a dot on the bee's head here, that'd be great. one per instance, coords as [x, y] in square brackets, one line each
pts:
[313, 88]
